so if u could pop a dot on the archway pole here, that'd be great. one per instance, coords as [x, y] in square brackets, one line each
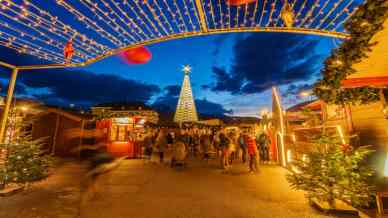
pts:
[11, 88]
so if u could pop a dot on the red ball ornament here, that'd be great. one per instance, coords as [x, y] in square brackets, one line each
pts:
[345, 148]
[137, 55]
[239, 2]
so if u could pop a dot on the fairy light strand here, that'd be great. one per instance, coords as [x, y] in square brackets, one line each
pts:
[309, 13]
[103, 27]
[263, 11]
[323, 20]
[334, 20]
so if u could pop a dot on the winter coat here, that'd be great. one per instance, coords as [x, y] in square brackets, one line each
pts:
[205, 143]
[161, 142]
[252, 148]
[224, 141]
[242, 142]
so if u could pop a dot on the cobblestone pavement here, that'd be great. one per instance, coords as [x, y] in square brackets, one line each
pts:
[137, 189]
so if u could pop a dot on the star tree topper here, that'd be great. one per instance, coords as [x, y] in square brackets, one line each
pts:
[186, 69]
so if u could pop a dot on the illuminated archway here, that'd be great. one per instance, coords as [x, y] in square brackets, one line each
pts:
[98, 29]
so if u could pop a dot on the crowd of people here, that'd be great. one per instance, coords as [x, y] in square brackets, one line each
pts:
[205, 143]
[226, 145]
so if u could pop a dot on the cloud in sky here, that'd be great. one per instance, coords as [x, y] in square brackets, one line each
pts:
[20, 89]
[79, 86]
[172, 90]
[262, 60]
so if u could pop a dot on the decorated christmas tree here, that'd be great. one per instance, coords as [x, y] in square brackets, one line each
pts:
[23, 159]
[334, 171]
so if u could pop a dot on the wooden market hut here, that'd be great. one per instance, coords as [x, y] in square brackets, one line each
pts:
[63, 130]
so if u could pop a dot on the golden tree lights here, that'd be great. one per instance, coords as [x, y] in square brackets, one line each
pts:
[106, 27]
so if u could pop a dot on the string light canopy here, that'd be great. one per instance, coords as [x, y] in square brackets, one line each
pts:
[101, 28]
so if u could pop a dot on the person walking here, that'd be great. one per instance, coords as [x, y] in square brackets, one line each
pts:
[252, 152]
[243, 146]
[224, 146]
[205, 144]
[147, 143]
[161, 143]
[232, 146]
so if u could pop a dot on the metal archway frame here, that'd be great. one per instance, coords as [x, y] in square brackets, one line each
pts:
[16, 69]
[39, 32]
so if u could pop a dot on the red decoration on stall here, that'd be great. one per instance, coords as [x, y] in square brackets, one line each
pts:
[273, 150]
[381, 81]
[108, 123]
[68, 51]
[98, 124]
[137, 55]
[239, 2]
[102, 124]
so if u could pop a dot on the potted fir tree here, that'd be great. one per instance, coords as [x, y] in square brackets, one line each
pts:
[26, 161]
[333, 173]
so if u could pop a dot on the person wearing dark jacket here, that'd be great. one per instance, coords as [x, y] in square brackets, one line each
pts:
[243, 146]
[224, 145]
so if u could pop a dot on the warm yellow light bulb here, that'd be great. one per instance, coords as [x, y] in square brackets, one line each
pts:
[386, 166]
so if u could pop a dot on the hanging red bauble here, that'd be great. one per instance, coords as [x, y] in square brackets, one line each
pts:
[68, 51]
[137, 55]
[346, 148]
[239, 2]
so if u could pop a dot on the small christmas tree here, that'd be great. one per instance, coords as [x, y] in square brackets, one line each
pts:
[25, 160]
[334, 171]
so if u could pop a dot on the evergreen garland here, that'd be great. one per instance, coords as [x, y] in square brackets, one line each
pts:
[363, 25]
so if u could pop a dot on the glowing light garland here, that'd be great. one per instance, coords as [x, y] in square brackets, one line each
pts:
[100, 28]
[328, 14]
[263, 11]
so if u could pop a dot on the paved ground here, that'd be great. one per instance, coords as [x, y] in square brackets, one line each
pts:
[152, 190]
[56, 197]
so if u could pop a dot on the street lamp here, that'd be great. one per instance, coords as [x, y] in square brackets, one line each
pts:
[306, 94]
[24, 108]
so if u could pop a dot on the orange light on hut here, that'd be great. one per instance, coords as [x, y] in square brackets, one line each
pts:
[287, 14]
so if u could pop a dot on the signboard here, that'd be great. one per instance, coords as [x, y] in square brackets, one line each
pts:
[122, 120]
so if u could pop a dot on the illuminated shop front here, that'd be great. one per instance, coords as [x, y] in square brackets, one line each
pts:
[121, 135]
[122, 125]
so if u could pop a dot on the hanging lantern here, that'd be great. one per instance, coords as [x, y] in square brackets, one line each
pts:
[137, 55]
[287, 15]
[68, 51]
[239, 2]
